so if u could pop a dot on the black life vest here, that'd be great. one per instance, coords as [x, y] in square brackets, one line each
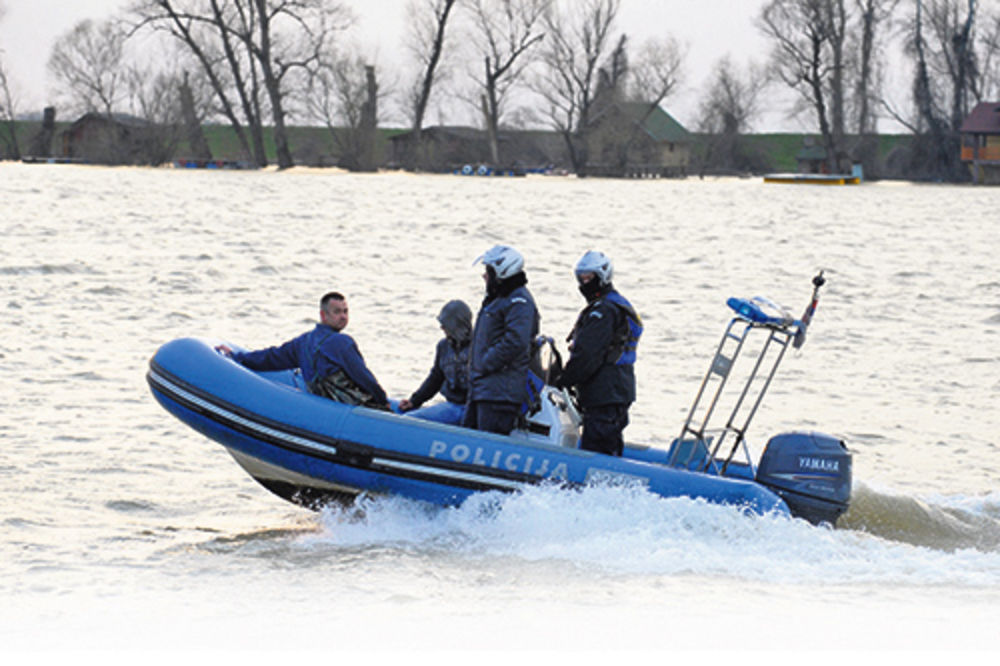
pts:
[623, 350]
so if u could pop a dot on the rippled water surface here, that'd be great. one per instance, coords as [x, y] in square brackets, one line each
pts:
[122, 527]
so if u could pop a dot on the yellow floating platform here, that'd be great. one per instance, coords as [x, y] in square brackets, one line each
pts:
[813, 179]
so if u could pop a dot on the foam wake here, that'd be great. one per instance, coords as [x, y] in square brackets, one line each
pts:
[943, 523]
[630, 531]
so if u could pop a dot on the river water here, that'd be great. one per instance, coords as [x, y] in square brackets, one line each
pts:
[124, 529]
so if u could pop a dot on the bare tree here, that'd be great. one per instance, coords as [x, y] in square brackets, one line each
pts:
[732, 100]
[988, 52]
[807, 37]
[155, 97]
[7, 132]
[864, 80]
[257, 19]
[655, 71]
[89, 61]
[252, 47]
[941, 35]
[727, 111]
[836, 19]
[505, 32]
[8, 112]
[343, 94]
[172, 101]
[211, 45]
[427, 20]
[953, 35]
[872, 15]
[578, 36]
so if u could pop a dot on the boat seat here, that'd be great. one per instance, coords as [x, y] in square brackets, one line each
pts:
[556, 421]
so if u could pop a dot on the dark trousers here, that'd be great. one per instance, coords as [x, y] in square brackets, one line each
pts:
[498, 417]
[602, 429]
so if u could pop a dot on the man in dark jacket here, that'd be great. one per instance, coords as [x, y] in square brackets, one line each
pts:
[330, 361]
[602, 357]
[506, 325]
[450, 373]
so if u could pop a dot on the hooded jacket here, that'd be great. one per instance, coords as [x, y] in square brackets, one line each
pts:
[450, 373]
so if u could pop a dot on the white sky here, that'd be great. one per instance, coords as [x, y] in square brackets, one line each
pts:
[709, 28]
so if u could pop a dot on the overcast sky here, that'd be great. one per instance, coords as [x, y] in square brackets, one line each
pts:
[709, 28]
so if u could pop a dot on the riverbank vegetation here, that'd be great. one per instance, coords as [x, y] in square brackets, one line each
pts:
[274, 82]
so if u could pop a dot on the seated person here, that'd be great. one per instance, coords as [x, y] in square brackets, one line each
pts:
[450, 372]
[331, 363]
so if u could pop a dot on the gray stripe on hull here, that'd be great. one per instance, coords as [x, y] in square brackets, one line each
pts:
[265, 471]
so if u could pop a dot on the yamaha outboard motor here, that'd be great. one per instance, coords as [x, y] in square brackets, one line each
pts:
[811, 472]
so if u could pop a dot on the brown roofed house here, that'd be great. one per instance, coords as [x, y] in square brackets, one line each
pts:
[981, 143]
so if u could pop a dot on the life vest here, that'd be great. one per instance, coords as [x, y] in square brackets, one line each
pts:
[623, 349]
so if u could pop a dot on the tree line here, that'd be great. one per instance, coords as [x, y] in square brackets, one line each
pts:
[525, 63]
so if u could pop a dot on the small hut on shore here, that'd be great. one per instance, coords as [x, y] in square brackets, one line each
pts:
[99, 138]
[981, 143]
[637, 139]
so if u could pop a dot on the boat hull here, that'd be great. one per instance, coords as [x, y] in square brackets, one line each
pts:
[311, 450]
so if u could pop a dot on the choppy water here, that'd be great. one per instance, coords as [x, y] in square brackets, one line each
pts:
[123, 528]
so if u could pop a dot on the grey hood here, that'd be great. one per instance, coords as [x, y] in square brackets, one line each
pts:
[456, 318]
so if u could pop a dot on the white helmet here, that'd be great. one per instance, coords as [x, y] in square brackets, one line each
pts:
[505, 260]
[597, 263]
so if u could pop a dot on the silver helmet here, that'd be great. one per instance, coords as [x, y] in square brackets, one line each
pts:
[597, 263]
[505, 260]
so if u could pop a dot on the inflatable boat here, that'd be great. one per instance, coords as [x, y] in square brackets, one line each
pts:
[311, 450]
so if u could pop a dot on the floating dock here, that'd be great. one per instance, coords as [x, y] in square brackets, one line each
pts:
[813, 178]
[853, 178]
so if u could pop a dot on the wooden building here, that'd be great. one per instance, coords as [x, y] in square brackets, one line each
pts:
[98, 138]
[812, 158]
[636, 139]
[980, 134]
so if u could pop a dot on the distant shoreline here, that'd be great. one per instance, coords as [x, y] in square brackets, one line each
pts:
[315, 146]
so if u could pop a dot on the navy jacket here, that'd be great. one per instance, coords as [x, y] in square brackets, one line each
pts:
[450, 375]
[319, 353]
[592, 366]
[501, 347]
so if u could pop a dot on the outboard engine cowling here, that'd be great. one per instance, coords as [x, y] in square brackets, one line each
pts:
[811, 471]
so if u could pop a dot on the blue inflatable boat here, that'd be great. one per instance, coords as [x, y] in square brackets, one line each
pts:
[311, 450]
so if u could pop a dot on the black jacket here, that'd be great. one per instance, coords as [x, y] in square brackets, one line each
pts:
[591, 367]
[450, 374]
[506, 326]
